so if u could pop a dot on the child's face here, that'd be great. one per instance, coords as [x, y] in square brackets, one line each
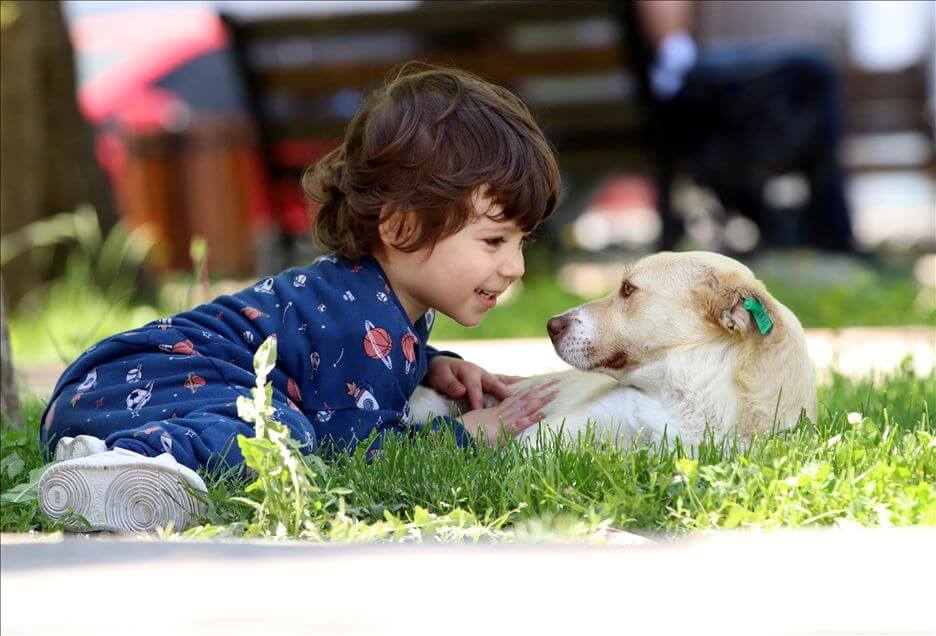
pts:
[465, 272]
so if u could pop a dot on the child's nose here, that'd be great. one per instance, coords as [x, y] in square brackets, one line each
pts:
[512, 267]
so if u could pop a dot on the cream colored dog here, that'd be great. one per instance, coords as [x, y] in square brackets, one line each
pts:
[674, 350]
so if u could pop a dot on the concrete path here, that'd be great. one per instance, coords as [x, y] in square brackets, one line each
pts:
[855, 352]
[809, 582]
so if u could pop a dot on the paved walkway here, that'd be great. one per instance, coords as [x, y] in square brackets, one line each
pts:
[855, 351]
[856, 581]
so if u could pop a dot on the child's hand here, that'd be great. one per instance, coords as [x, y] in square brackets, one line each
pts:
[456, 378]
[512, 416]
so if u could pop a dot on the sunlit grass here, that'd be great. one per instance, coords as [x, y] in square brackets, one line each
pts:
[873, 469]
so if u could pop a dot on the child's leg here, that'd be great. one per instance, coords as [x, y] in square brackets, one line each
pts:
[146, 479]
[154, 403]
[207, 437]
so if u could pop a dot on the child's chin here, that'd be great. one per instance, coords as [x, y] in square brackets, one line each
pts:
[469, 321]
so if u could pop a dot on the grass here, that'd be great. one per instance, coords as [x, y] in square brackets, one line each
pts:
[878, 469]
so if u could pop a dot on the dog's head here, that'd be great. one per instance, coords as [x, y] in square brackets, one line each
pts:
[664, 302]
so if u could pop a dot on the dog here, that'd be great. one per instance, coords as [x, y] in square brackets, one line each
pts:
[690, 342]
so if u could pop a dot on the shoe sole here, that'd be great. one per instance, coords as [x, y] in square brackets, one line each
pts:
[77, 447]
[132, 497]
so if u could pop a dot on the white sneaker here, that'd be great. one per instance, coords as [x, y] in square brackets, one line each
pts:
[121, 491]
[80, 446]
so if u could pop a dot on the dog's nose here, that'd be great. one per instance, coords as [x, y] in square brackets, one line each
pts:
[556, 325]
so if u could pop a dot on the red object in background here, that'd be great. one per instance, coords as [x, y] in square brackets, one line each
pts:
[299, 153]
[141, 46]
[623, 193]
[289, 201]
[181, 156]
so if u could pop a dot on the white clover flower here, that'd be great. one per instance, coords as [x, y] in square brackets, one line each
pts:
[855, 418]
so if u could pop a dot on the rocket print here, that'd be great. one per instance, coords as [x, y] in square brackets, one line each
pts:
[314, 360]
[164, 323]
[430, 318]
[382, 297]
[86, 385]
[408, 344]
[137, 398]
[363, 397]
[300, 280]
[182, 348]
[266, 287]
[377, 343]
[135, 374]
[253, 313]
[165, 440]
[406, 415]
[193, 382]
[89, 382]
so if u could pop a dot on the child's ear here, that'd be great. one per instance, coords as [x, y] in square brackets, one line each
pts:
[396, 227]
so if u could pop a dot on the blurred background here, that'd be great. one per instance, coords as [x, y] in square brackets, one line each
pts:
[151, 151]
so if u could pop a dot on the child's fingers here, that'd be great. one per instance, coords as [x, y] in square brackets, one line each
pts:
[454, 388]
[518, 398]
[449, 383]
[491, 384]
[509, 379]
[475, 395]
[524, 423]
[536, 403]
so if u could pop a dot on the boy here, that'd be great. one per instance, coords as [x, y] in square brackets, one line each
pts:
[426, 205]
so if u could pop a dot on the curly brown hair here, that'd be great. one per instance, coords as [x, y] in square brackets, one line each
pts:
[423, 144]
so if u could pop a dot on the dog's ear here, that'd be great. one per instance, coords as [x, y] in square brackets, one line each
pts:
[735, 302]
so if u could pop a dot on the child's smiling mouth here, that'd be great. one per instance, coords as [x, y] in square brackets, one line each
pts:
[488, 298]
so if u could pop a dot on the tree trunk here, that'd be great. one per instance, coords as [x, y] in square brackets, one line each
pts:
[9, 401]
[47, 162]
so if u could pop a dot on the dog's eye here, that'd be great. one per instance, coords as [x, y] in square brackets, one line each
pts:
[627, 289]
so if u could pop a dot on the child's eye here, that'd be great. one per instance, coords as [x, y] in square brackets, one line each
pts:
[494, 242]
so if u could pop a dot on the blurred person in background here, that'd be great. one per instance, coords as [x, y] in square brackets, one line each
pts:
[737, 114]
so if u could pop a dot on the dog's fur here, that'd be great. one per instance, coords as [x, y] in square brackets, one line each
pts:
[675, 351]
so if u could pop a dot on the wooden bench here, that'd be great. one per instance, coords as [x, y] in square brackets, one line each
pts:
[576, 64]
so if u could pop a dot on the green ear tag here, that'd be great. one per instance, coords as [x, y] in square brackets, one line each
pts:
[760, 314]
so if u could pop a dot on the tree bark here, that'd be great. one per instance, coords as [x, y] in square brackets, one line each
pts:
[9, 400]
[47, 162]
